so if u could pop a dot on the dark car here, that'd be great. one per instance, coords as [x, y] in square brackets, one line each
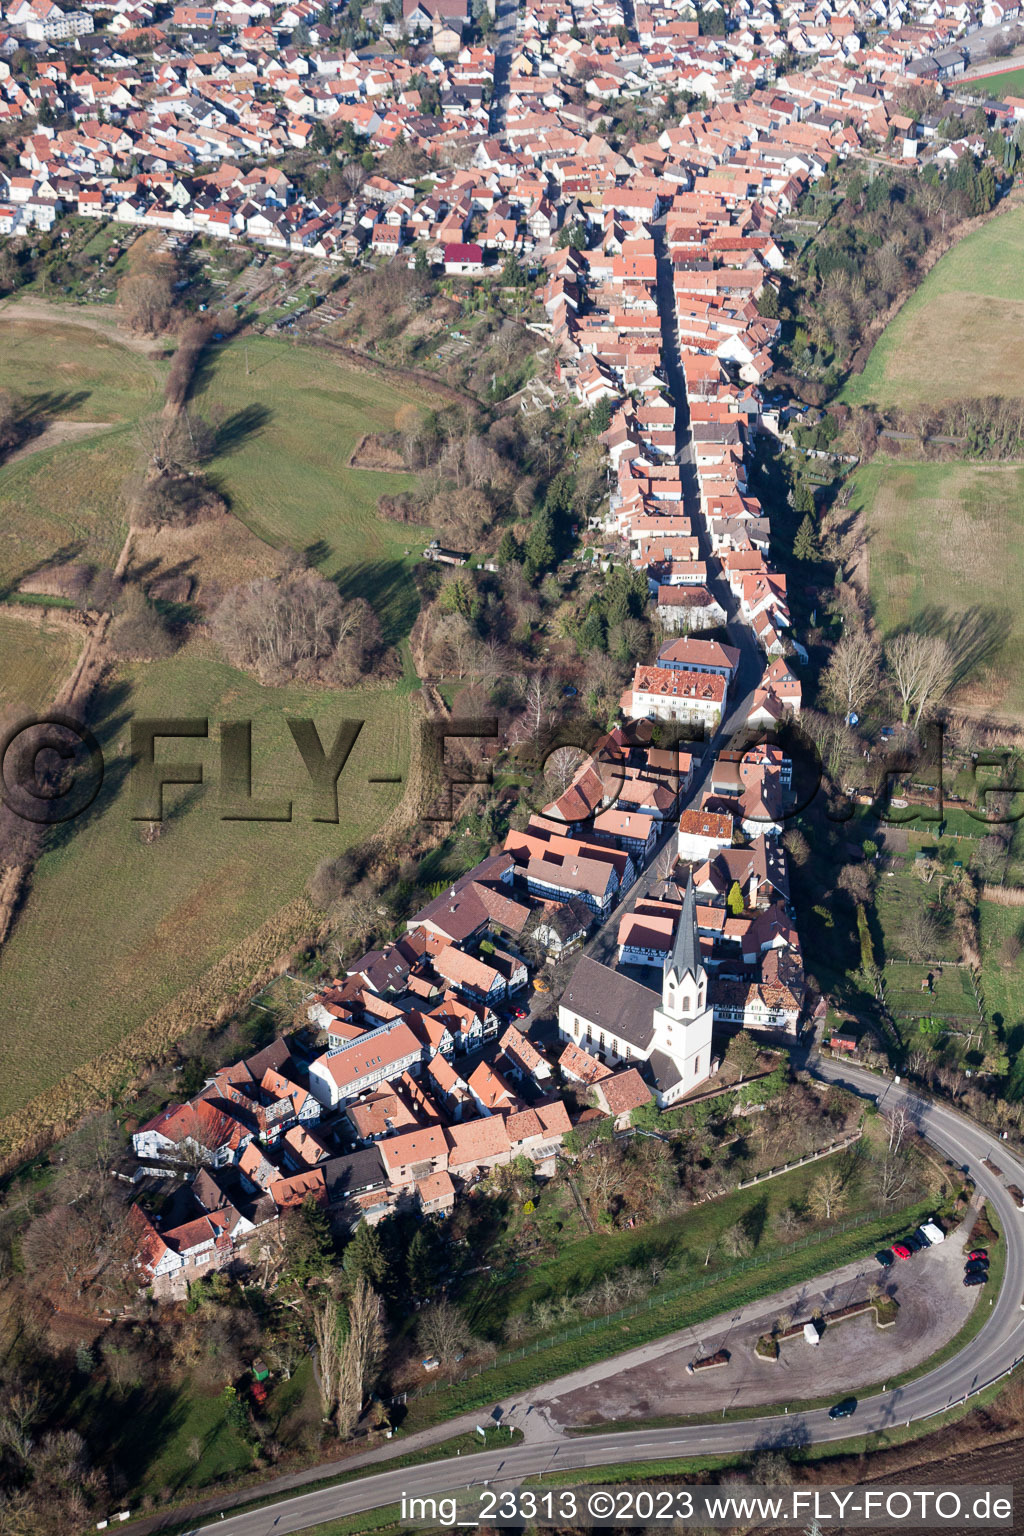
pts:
[914, 1243]
[980, 1277]
[885, 1257]
[976, 1267]
[844, 1409]
[978, 1253]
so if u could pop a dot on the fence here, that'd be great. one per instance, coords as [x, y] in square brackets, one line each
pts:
[799, 1162]
[657, 1298]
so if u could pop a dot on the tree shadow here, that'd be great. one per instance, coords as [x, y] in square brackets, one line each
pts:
[50, 403]
[390, 591]
[109, 717]
[976, 635]
[62, 556]
[235, 430]
[316, 552]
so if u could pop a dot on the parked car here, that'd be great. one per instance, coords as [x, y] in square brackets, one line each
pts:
[978, 1253]
[901, 1251]
[844, 1409]
[885, 1257]
[914, 1243]
[977, 1267]
[980, 1278]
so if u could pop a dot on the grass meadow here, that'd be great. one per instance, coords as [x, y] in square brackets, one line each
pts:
[70, 498]
[959, 333]
[114, 927]
[33, 664]
[290, 418]
[945, 549]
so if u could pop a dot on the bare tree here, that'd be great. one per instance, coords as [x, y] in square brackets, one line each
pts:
[737, 1241]
[852, 674]
[921, 668]
[362, 1354]
[562, 766]
[442, 1330]
[919, 934]
[898, 1124]
[831, 739]
[826, 1197]
[327, 1342]
[893, 1178]
[144, 299]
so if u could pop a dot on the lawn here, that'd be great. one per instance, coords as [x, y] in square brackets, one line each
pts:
[946, 552]
[67, 500]
[292, 418]
[958, 334]
[33, 663]
[686, 1247]
[115, 927]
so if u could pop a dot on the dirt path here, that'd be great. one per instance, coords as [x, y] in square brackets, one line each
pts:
[54, 434]
[95, 317]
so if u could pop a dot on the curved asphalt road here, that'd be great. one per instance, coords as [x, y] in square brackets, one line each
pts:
[996, 1347]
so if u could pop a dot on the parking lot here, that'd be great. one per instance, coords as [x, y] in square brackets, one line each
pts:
[933, 1306]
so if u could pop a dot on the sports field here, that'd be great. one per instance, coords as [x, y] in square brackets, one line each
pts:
[114, 926]
[946, 550]
[1008, 82]
[291, 418]
[959, 334]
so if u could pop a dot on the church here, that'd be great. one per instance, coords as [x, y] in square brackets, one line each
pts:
[621, 1021]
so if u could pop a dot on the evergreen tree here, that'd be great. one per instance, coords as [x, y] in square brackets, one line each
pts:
[310, 1248]
[734, 901]
[803, 497]
[805, 545]
[509, 552]
[364, 1256]
[592, 635]
[539, 551]
[421, 1263]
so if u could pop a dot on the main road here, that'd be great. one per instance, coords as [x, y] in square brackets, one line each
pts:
[998, 1346]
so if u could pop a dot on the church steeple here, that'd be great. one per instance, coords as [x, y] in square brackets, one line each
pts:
[684, 988]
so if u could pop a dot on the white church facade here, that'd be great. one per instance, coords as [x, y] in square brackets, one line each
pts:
[623, 1022]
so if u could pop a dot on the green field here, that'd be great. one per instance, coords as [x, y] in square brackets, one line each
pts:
[113, 928]
[69, 498]
[945, 546]
[1003, 972]
[292, 421]
[84, 373]
[1009, 82]
[959, 333]
[33, 664]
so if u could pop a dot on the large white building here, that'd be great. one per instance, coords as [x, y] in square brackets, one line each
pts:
[619, 1020]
